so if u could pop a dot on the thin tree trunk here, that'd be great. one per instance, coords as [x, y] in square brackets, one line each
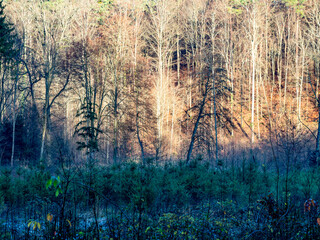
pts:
[297, 66]
[301, 87]
[215, 117]
[253, 93]
[178, 60]
[172, 125]
[46, 122]
[253, 55]
[287, 68]
[194, 132]
[44, 134]
[14, 117]
[115, 127]
[318, 133]
[139, 139]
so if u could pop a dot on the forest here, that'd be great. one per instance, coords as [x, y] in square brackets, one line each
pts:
[159, 119]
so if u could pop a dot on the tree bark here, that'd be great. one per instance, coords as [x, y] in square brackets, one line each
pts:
[200, 116]
[14, 115]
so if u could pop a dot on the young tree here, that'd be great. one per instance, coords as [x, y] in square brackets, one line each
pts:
[160, 37]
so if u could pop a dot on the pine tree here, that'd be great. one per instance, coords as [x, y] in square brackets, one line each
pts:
[7, 36]
[86, 128]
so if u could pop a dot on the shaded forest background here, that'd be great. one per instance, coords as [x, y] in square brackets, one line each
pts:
[155, 79]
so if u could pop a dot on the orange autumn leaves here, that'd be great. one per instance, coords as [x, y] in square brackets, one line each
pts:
[311, 206]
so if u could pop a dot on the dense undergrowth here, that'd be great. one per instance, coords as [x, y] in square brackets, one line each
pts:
[172, 201]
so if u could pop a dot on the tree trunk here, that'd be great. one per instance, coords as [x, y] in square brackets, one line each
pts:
[46, 122]
[215, 117]
[14, 116]
[318, 133]
[139, 140]
[115, 127]
[253, 56]
[194, 132]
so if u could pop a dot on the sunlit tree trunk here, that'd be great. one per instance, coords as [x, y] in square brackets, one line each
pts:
[253, 61]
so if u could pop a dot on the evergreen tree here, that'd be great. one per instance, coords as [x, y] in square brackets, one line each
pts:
[7, 36]
[86, 128]
[8, 69]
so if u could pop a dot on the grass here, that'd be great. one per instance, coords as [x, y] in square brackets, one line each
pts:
[173, 201]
